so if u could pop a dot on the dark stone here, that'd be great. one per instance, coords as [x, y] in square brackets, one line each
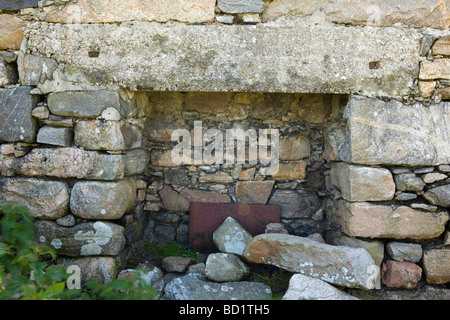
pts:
[298, 203]
[17, 4]
[17, 123]
[177, 176]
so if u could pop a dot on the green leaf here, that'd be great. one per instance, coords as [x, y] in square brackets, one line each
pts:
[4, 249]
[55, 290]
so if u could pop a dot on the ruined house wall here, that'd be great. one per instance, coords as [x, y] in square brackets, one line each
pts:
[92, 90]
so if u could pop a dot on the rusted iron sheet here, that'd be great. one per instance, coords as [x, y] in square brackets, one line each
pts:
[205, 218]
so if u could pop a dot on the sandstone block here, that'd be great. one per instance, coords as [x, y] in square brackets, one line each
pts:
[180, 63]
[359, 183]
[15, 115]
[409, 182]
[107, 135]
[11, 31]
[302, 287]
[315, 108]
[405, 275]
[366, 220]
[378, 135]
[220, 177]
[175, 264]
[290, 171]
[442, 46]
[175, 201]
[340, 265]
[254, 192]
[294, 148]
[419, 14]
[47, 200]
[433, 70]
[68, 163]
[84, 239]
[136, 161]
[436, 265]
[102, 200]
[108, 11]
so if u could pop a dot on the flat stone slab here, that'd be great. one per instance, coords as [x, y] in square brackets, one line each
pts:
[281, 56]
[205, 218]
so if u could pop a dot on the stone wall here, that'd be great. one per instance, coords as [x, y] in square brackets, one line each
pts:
[92, 90]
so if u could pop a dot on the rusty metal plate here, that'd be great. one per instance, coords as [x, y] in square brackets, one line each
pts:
[205, 218]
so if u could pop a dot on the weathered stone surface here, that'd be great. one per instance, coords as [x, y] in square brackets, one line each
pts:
[107, 135]
[403, 251]
[378, 135]
[220, 60]
[409, 182]
[433, 177]
[68, 163]
[84, 239]
[425, 292]
[220, 177]
[404, 275]
[34, 69]
[57, 136]
[175, 264]
[225, 267]
[419, 14]
[374, 248]
[314, 108]
[442, 46]
[334, 137]
[426, 88]
[299, 203]
[444, 93]
[254, 192]
[66, 221]
[195, 287]
[436, 69]
[439, 196]
[15, 115]
[339, 265]
[17, 4]
[231, 237]
[40, 112]
[276, 228]
[302, 287]
[436, 265]
[7, 73]
[102, 200]
[44, 199]
[360, 183]
[294, 148]
[290, 171]
[87, 104]
[136, 161]
[366, 220]
[11, 31]
[175, 201]
[102, 269]
[241, 6]
[107, 11]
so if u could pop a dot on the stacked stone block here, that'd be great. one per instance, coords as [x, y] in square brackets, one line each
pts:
[88, 150]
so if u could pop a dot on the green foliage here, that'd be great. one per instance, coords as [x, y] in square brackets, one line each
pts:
[28, 271]
[170, 250]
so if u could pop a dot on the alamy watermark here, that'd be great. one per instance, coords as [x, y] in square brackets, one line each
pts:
[204, 146]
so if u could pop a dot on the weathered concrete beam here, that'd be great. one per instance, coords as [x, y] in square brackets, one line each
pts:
[287, 55]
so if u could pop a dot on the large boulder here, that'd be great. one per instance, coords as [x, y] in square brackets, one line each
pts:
[340, 265]
[302, 287]
[196, 287]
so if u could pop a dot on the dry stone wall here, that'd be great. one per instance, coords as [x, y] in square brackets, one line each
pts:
[91, 92]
